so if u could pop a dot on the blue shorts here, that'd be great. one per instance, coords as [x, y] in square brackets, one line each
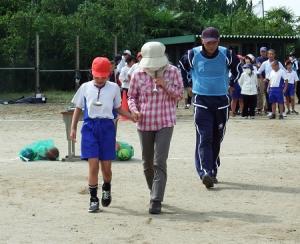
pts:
[98, 139]
[276, 95]
[290, 92]
[236, 94]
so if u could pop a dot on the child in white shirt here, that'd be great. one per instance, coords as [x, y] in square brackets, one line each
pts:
[248, 84]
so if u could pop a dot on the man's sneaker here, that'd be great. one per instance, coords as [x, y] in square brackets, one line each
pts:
[155, 207]
[280, 116]
[208, 181]
[269, 114]
[289, 112]
[106, 198]
[215, 180]
[283, 114]
[273, 116]
[294, 112]
[94, 205]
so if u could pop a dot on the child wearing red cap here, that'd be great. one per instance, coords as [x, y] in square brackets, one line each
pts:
[97, 99]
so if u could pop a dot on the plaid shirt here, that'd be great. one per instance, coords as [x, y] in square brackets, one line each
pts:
[157, 109]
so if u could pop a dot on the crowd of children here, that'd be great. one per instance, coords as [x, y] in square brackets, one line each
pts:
[264, 85]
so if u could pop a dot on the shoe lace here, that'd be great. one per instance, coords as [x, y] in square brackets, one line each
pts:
[93, 204]
[106, 195]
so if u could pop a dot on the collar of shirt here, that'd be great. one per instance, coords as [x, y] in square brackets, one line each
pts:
[204, 53]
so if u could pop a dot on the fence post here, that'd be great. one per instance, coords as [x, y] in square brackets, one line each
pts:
[37, 64]
[77, 69]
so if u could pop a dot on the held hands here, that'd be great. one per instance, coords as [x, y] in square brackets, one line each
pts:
[136, 116]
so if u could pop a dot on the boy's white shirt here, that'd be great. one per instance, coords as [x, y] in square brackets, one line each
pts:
[87, 94]
[292, 76]
[275, 76]
[267, 67]
[248, 84]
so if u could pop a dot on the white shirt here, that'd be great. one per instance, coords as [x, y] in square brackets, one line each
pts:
[124, 77]
[277, 78]
[292, 76]
[248, 84]
[121, 64]
[267, 67]
[133, 68]
[87, 96]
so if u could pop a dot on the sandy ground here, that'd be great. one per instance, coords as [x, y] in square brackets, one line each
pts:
[257, 200]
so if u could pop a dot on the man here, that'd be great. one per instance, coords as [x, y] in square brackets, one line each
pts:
[122, 63]
[153, 93]
[264, 71]
[130, 61]
[261, 84]
[263, 56]
[209, 66]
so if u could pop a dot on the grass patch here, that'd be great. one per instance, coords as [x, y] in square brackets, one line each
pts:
[53, 96]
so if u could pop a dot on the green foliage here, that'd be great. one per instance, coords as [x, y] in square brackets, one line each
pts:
[98, 22]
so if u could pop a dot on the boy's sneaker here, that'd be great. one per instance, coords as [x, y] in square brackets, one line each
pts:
[289, 112]
[283, 114]
[94, 205]
[106, 198]
[208, 181]
[215, 180]
[155, 207]
[294, 112]
[280, 116]
[273, 116]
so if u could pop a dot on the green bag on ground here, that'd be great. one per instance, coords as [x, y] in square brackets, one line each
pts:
[39, 150]
[124, 151]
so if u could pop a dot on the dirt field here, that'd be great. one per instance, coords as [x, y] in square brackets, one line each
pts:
[257, 200]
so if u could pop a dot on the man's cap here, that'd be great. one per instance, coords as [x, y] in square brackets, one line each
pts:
[101, 67]
[263, 49]
[153, 55]
[127, 52]
[210, 34]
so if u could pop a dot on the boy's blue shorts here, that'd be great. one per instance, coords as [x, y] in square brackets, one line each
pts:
[236, 94]
[276, 96]
[290, 92]
[98, 139]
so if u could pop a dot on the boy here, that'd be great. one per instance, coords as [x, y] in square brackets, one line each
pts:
[98, 98]
[277, 85]
[290, 93]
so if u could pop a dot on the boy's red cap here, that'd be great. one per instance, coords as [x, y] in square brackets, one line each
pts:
[101, 67]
